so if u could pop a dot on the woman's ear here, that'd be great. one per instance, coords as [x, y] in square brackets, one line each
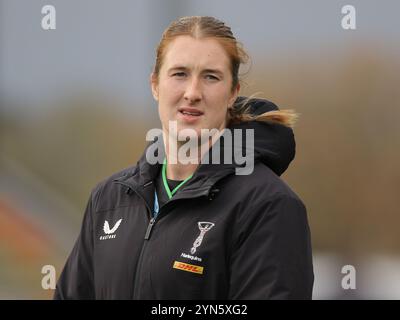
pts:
[154, 85]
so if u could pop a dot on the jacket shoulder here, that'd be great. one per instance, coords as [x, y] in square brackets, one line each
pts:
[265, 183]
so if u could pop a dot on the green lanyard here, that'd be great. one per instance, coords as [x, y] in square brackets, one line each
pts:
[164, 176]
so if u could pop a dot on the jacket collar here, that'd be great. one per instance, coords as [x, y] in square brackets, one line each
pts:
[201, 183]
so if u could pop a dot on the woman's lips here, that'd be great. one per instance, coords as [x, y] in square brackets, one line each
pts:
[189, 115]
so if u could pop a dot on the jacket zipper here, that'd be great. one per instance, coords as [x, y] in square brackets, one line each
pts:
[149, 228]
[142, 253]
[146, 237]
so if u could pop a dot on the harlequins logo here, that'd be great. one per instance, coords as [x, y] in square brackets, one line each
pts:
[204, 227]
[109, 232]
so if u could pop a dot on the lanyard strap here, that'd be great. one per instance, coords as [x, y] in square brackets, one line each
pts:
[156, 205]
[166, 186]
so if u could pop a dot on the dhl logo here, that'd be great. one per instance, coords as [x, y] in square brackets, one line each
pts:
[188, 267]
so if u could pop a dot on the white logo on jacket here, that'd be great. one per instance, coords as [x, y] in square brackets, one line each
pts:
[109, 232]
[204, 227]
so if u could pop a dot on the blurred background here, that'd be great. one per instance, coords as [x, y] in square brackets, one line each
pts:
[76, 105]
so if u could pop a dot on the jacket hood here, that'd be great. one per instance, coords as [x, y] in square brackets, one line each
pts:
[274, 144]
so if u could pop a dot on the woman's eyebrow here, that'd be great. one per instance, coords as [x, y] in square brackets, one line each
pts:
[178, 68]
[184, 68]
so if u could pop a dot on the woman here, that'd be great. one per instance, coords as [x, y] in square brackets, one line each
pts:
[198, 230]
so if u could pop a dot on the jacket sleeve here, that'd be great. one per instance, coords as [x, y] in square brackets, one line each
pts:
[271, 257]
[76, 279]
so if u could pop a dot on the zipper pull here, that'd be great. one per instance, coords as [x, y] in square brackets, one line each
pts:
[149, 227]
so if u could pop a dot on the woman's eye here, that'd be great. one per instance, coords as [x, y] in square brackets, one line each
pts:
[179, 74]
[211, 77]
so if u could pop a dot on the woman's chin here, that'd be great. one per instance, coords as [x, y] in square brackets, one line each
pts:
[189, 133]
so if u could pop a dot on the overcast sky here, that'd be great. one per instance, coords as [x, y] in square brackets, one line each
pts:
[108, 46]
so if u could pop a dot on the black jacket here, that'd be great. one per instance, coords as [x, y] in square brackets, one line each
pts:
[257, 245]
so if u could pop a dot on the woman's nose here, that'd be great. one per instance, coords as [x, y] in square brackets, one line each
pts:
[193, 91]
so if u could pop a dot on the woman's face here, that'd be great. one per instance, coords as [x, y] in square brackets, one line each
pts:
[194, 87]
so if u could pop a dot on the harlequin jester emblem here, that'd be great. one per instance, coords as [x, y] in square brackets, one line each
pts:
[204, 227]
